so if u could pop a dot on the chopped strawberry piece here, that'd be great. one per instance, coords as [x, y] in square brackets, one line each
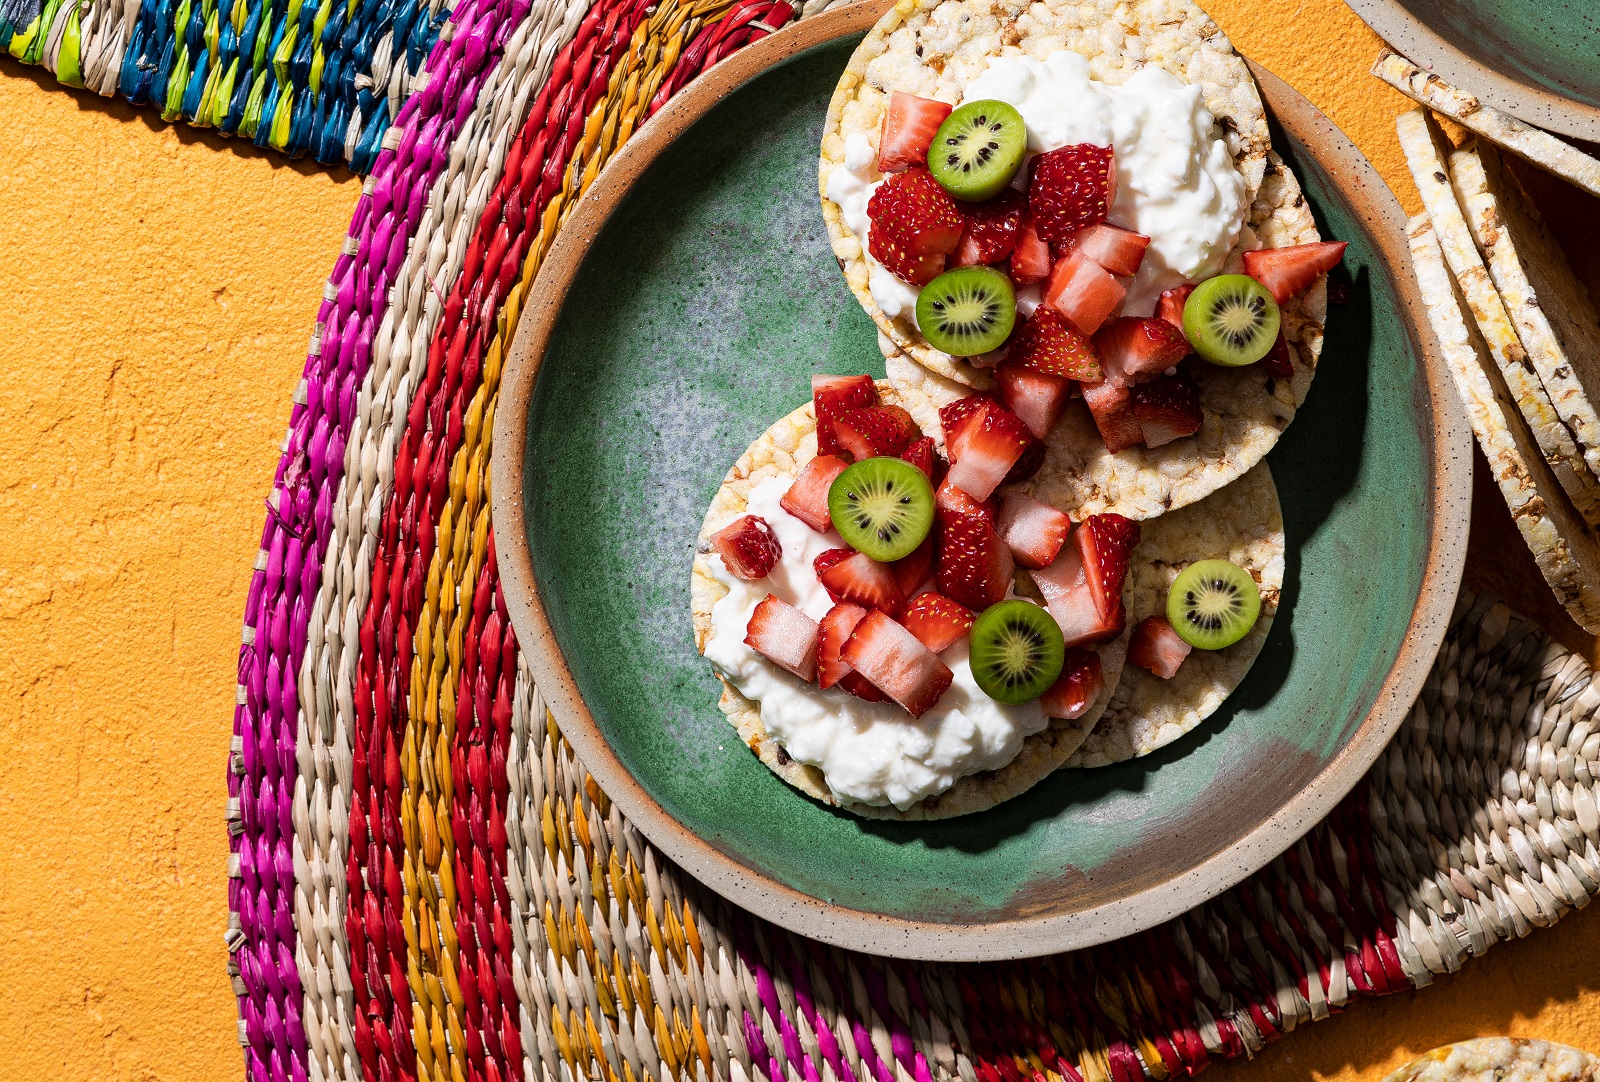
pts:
[1105, 545]
[748, 547]
[1118, 250]
[1030, 259]
[875, 431]
[909, 125]
[826, 560]
[862, 580]
[834, 396]
[861, 687]
[1081, 681]
[1047, 342]
[1071, 188]
[974, 566]
[911, 572]
[1157, 647]
[953, 419]
[1134, 349]
[784, 636]
[1070, 599]
[1166, 409]
[1113, 415]
[1033, 531]
[832, 633]
[897, 664]
[1170, 306]
[1288, 272]
[914, 225]
[920, 455]
[807, 498]
[992, 228]
[936, 621]
[950, 503]
[1279, 361]
[990, 443]
[1083, 291]
[1028, 465]
[1037, 397]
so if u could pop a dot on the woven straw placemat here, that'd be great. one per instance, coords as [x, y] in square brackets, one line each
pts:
[425, 882]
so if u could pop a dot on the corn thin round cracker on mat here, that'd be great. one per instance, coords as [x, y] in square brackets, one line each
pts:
[785, 448]
[1500, 1059]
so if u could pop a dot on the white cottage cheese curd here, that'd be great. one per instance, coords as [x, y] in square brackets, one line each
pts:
[870, 753]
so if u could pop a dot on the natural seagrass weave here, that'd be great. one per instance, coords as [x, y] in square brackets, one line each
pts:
[426, 884]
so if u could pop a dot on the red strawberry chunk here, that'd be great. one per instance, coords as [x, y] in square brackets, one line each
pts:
[1118, 250]
[1070, 599]
[1134, 349]
[1166, 409]
[1105, 544]
[834, 396]
[875, 431]
[1028, 465]
[897, 664]
[1083, 291]
[1170, 306]
[748, 547]
[914, 225]
[920, 455]
[973, 566]
[936, 621]
[1157, 647]
[807, 498]
[863, 581]
[1030, 259]
[1047, 343]
[912, 572]
[1071, 188]
[992, 228]
[909, 125]
[1081, 681]
[953, 420]
[861, 687]
[950, 503]
[832, 633]
[1033, 531]
[784, 636]
[1279, 361]
[991, 442]
[1288, 272]
[826, 560]
[1038, 398]
[1113, 415]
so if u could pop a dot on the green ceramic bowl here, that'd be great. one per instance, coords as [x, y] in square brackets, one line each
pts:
[686, 306]
[1538, 60]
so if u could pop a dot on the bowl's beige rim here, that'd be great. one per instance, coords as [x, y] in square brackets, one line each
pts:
[1427, 49]
[875, 933]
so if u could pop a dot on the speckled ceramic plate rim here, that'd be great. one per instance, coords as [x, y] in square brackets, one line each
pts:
[1432, 52]
[1446, 526]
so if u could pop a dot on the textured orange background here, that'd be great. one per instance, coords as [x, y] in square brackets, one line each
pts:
[159, 287]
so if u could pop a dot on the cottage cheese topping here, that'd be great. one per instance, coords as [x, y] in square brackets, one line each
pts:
[870, 753]
[1176, 181]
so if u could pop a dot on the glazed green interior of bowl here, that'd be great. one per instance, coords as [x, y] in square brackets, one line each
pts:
[1552, 44]
[697, 319]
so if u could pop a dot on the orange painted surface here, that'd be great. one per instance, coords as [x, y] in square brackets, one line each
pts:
[159, 286]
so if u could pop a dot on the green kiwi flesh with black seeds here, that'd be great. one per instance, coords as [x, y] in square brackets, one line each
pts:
[1017, 651]
[967, 311]
[1231, 320]
[978, 149]
[882, 507]
[1213, 604]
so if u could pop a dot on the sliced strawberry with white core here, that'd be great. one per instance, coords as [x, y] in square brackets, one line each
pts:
[748, 547]
[1170, 306]
[953, 421]
[1047, 342]
[1154, 645]
[950, 503]
[784, 636]
[1288, 272]
[875, 431]
[1070, 599]
[1033, 531]
[991, 442]
[1030, 258]
[914, 225]
[834, 396]
[1083, 291]
[1038, 398]
[832, 633]
[1070, 188]
[937, 621]
[825, 560]
[807, 498]
[912, 572]
[909, 125]
[992, 227]
[920, 455]
[897, 664]
[1118, 250]
[1136, 349]
[1113, 415]
[972, 565]
[1074, 692]
[1167, 409]
[863, 581]
[1105, 545]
